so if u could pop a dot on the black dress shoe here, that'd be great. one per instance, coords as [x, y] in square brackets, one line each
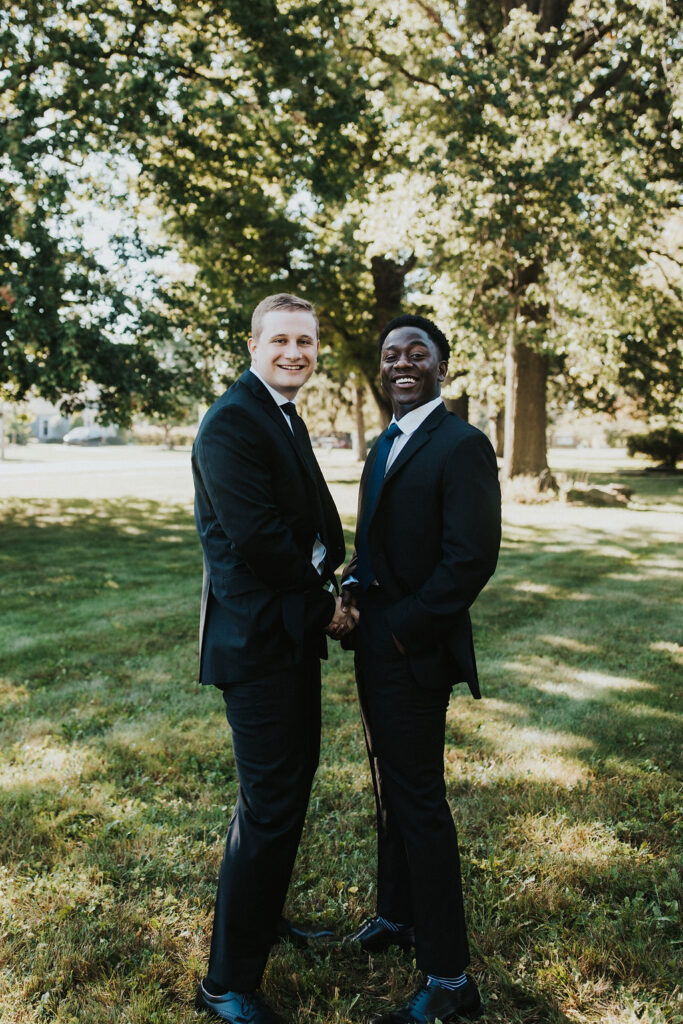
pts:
[432, 1002]
[237, 1007]
[374, 936]
[287, 932]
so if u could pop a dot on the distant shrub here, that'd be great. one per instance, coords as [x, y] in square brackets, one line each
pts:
[183, 436]
[148, 434]
[165, 436]
[665, 446]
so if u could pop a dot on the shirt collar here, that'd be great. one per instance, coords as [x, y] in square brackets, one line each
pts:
[409, 423]
[279, 398]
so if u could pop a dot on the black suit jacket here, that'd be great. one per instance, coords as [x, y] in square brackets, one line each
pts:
[434, 539]
[260, 502]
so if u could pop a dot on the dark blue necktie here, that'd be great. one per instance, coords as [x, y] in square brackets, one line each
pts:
[363, 567]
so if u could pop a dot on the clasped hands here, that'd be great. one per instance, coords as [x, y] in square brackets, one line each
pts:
[345, 616]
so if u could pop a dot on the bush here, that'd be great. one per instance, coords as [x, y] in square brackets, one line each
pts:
[664, 445]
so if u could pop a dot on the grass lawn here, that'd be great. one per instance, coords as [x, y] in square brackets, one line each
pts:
[117, 780]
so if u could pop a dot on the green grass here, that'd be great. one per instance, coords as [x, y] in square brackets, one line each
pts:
[117, 780]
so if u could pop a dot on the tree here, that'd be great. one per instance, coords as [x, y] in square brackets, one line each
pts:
[494, 165]
[74, 329]
[202, 101]
[545, 136]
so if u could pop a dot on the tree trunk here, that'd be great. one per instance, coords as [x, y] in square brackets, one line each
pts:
[525, 413]
[383, 403]
[359, 443]
[496, 418]
[461, 405]
[388, 278]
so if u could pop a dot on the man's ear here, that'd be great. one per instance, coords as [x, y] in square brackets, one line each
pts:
[442, 370]
[251, 345]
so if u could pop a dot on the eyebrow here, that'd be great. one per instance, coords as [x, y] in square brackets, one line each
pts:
[299, 337]
[411, 341]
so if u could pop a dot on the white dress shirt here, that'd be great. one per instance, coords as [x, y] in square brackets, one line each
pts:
[408, 424]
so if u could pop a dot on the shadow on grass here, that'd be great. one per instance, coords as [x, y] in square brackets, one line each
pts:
[118, 781]
[588, 639]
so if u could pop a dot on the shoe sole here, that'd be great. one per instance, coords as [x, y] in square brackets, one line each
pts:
[199, 1004]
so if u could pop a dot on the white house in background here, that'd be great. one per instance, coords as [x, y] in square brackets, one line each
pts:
[50, 425]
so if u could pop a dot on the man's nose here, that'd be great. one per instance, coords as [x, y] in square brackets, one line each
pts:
[292, 349]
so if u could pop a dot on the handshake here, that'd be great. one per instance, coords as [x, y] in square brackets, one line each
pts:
[345, 616]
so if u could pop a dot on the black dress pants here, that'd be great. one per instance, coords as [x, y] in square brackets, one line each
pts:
[275, 724]
[418, 865]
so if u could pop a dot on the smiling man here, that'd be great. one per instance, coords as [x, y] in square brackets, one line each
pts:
[271, 539]
[426, 543]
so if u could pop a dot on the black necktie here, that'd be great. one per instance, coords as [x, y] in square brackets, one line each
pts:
[290, 410]
[384, 445]
[303, 443]
[300, 432]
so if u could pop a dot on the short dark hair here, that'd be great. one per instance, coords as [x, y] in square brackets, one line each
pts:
[284, 301]
[408, 320]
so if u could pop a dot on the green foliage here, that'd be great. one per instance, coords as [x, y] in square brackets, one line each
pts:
[544, 146]
[664, 445]
[509, 169]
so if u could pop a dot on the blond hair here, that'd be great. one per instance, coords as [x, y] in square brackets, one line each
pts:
[289, 303]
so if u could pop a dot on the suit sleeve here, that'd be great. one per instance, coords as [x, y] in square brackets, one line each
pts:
[233, 459]
[469, 549]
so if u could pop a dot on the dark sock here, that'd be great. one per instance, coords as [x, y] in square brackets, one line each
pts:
[212, 989]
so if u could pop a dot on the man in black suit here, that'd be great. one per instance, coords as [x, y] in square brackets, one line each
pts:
[271, 539]
[426, 543]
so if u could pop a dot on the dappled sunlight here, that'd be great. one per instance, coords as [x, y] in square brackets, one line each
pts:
[593, 843]
[483, 712]
[513, 765]
[552, 592]
[117, 780]
[55, 894]
[674, 649]
[585, 685]
[11, 692]
[543, 766]
[12, 644]
[549, 676]
[40, 762]
[142, 735]
[567, 643]
[518, 739]
[532, 587]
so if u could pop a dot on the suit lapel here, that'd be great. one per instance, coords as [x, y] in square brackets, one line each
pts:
[272, 409]
[421, 437]
[331, 533]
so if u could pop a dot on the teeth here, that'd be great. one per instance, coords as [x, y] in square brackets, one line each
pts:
[405, 380]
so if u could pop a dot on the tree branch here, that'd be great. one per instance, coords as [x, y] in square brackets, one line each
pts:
[397, 66]
[601, 89]
[436, 18]
[591, 37]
